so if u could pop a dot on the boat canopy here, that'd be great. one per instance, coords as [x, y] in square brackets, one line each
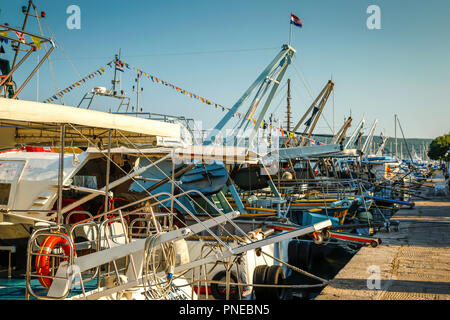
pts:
[28, 122]
[306, 152]
[225, 154]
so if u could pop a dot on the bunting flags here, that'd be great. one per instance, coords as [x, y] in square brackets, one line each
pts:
[77, 84]
[21, 37]
[216, 105]
[119, 65]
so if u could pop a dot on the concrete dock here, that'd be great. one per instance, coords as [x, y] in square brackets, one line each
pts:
[411, 264]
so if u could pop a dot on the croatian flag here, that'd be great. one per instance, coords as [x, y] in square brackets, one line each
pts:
[119, 65]
[296, 21]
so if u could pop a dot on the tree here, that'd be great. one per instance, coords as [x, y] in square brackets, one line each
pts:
[439, 147]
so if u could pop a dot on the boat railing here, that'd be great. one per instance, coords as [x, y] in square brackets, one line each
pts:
[209, 202]
[144, 227]
[55, 231]
[92, 241]
[71, 213]
[104, 234]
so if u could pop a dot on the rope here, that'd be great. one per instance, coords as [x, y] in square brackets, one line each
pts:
[324, 282]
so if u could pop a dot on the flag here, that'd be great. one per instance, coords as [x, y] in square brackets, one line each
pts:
[20, 36]
[308, 122]
[36, 41]
[296, 21]
[119, 65]
[5, 33]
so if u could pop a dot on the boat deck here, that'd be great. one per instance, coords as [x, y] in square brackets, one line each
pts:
[413, 263]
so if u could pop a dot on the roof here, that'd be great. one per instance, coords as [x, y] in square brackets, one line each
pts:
[34, 122]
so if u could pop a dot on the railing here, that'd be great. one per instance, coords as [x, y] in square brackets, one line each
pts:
[47, 232]
[99, 236]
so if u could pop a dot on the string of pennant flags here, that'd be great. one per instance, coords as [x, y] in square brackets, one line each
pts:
[98, 72]
[20, 37]
[121, 65]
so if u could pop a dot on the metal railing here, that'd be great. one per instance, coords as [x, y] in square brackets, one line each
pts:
[47, 232]
[101, 236]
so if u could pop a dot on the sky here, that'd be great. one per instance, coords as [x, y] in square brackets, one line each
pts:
[216, 49]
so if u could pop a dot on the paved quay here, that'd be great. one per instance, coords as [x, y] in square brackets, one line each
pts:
[411, 264]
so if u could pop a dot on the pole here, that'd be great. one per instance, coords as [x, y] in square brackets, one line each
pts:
[60, 174]
[333, 106]
[288, 111]
[290, 33]
[37, 80]
[137, 94]
[108, 171]
[395, 128]
[23, 29]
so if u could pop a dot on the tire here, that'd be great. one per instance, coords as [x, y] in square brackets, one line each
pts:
[275, 275]
[259, 277]
[373, 244]
[219, 290]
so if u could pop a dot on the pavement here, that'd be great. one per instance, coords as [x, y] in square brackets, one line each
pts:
[411, 264]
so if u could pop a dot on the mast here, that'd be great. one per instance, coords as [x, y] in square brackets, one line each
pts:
[17, 49]
[395, 130]
[138, 90]
[116, 59]
[288, 107]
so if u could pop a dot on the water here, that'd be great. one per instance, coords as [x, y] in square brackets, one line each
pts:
[14, 288]
[327, 262]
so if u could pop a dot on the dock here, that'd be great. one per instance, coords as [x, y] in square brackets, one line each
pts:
[411, 264]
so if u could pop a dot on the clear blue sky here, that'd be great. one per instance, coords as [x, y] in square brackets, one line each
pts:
[217, 48]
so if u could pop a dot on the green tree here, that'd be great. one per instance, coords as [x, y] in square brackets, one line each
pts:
[439, 147]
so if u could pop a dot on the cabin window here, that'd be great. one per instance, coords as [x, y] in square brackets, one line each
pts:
[5, 189]
[85, 181]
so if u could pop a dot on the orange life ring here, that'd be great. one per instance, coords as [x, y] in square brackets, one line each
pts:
[43, 261]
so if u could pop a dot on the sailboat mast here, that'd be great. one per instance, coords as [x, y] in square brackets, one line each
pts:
[395, 130]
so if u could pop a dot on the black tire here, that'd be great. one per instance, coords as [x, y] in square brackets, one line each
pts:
[374, 244]
[259, 277]
[219, 290]
[275, 275]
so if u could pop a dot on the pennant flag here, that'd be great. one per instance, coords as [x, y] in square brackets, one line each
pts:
[36, 41]
[5, 33]
[20, 36]
[296, 21]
